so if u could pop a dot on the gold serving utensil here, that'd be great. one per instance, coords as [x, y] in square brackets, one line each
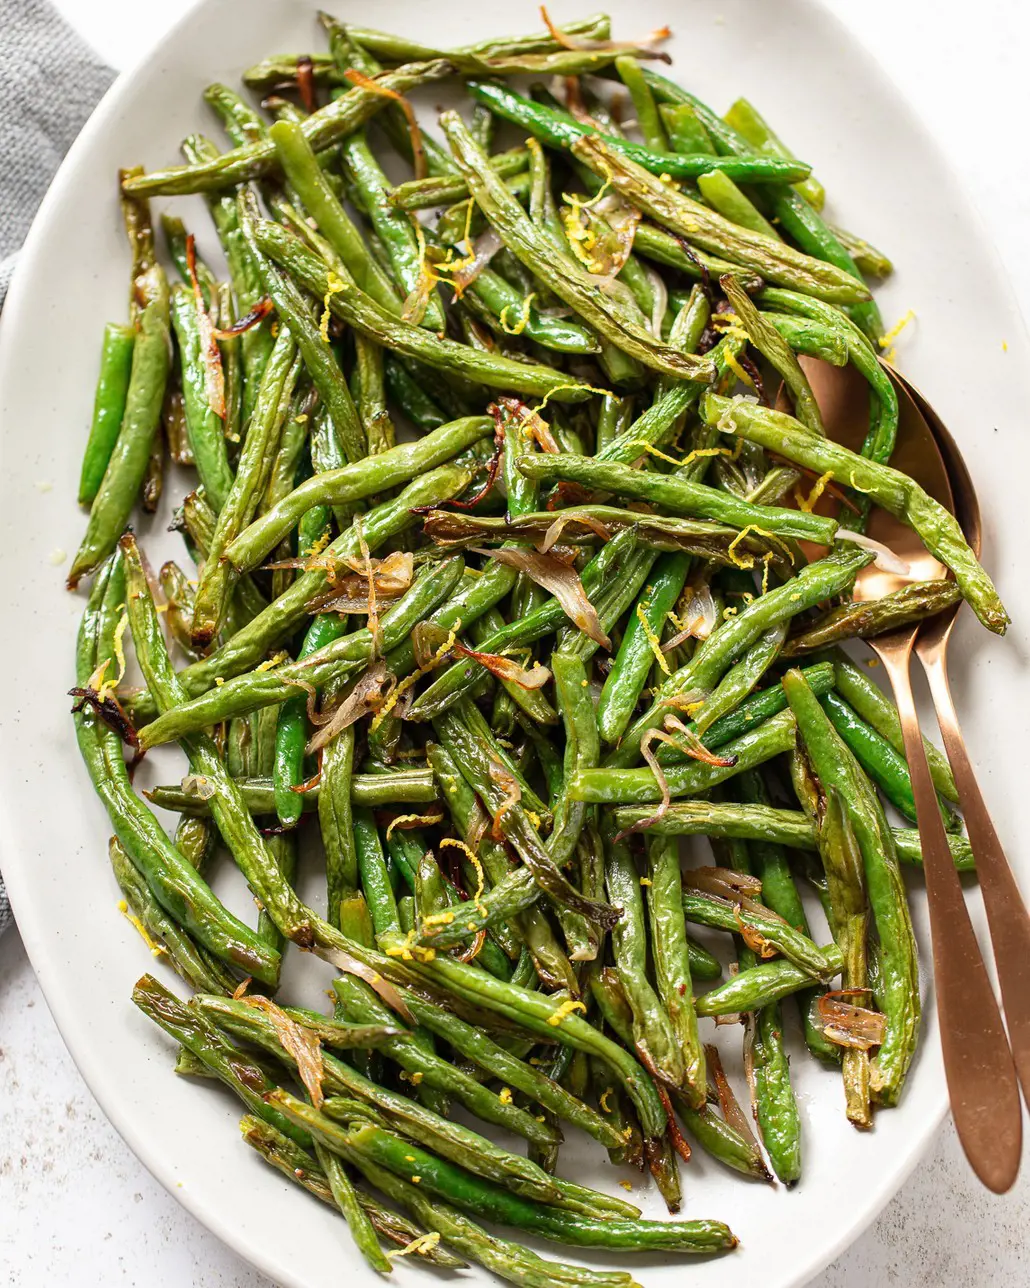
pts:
[1007, 914]
[978, 1063]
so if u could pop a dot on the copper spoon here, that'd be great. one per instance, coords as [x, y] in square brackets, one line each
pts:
[1007, 914]
[978, 1063]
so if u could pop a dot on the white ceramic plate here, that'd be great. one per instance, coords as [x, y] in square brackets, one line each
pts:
[886, 180]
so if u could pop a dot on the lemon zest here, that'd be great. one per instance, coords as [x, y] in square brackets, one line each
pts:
[473, 858]
[747, 561]
[415, 676]
[653, 640]
[605, 393]
[408, 950]
[886, 341]
[808, 503]
[269, 662]
[520, 325]
[412, 818]
[156, 949]
[334, 285]
[602, 1104]
[731, 362]
[424, 1244]
[563, 1011]
[504, 1096]
[319, 545]
[766, 561]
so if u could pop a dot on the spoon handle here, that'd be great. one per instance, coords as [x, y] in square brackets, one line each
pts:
[978, 1064]
[1007, 915]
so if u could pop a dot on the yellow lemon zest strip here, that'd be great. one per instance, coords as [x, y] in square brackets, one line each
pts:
[652, 639]
[473, 858]
[564, 1011]
[808, 503]
[156, 949]
[334, 285]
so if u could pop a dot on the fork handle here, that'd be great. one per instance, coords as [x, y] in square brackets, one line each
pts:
[978, 1063]
[1007, 914]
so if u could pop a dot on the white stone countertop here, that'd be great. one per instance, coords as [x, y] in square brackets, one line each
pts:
[79, 1209]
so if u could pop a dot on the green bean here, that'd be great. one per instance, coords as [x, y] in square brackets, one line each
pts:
[323, 128]
[868, 260]
[393, 227]
[742, 677]
[483, 1198]
[723, 195]
[876, 709]
[396, 49]
[563, 275]
[885, 766]
[664, 247]
[635, 657]
[711, 910]
[108, 407]
[760, 986]
[248, 486]
[796, 217]
[358, 1222]
[889, 488]
[463, 740]
[559, 129]
[204, 427]
[240, 1073]
[488, 1055]
[676, 494]
[173, 881]
[342, 657]
[813, 583]
[127, 464]
[351, 483]
[763, 823]
[364, 314]
[685, 129]
[676, 211]
[672, 961]
[608, 786]
[371, 400]
[644, 106]
[654, 1037]
[745, 118]
[898, 990]
[768, 341]
[914, 602]
[709, 541]
[199, 968]
[422, 194]
[320, 363]
[849, 917]
[581, 752]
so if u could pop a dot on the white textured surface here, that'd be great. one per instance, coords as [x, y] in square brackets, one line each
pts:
[79, 1209]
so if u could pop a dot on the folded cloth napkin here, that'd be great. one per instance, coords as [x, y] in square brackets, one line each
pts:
[50, 81]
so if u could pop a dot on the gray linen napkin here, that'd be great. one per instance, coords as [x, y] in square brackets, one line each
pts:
[50, 81]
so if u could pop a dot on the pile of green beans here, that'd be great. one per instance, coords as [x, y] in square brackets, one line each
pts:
[493, 584]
